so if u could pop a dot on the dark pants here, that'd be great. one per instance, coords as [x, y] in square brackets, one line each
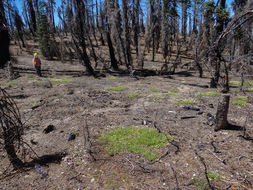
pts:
[38, 70]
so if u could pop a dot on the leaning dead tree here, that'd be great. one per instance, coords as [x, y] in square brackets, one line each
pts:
[11, 128]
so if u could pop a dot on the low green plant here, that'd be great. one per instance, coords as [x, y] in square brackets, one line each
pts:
[250, 89]
[60, 80]
[119, 88]
[175, 91]
[239, 103]
[155, 89]
[212, 176]
[59, 95]
[200, 184]
[133, 95]
[93, 78]
[143, 141]
[184, 102]
[30, 75]
[209, 93]
[243, 98]
[172, 93]
[238, 83]
[111, 78]
[140, 85]
[34, 104]
[156, 94]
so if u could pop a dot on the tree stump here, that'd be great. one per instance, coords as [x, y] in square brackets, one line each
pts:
[222, 113]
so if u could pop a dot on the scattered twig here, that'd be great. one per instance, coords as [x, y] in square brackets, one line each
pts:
[223, 161]
[214, 148]
[205, 167]
[175, 176]
[188, 117]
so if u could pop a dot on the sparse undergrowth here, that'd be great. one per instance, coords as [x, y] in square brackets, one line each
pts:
[133, 95]
[210, 93]
[239, 103]
[118, 88]
[184, 102]
[143, 141]
[111, 78]
[155, 89]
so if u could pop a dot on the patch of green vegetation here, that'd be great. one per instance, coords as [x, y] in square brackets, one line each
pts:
[238, 83]
[239, 103]
[155, 89]
[30, 76]
[143, 141]
[119, 88]
[184, 102]
[11, 82]
[111, 78]
[60, 80]
[34, 104]
[212, 176]
[243, 98]
[59, 95]
[140, 85]
[236, 90]
[200, 184]
[209, 93]
[52, 75]
[133, 95]
[250, 89]
[93, 78]
[172, 93]
[175, 91]
[156, 94]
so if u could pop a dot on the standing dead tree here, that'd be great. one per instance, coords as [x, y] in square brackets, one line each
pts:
[78, 35]
[11, 128]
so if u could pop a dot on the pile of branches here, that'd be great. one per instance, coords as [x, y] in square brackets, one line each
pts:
[11, 128]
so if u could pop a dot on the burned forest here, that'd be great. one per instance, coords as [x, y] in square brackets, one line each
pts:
[126, 94]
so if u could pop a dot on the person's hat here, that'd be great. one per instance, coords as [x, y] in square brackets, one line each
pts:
[36, 54]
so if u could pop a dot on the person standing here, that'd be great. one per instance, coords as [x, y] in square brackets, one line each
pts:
[37, 64]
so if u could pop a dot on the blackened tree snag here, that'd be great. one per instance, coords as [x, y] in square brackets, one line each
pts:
[4, 38]
[222, 112]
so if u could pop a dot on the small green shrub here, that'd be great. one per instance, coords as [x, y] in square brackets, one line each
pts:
[250, 89]
[184, 102]
[30, 76]
[243, 98]
[155, 89]
[59, 95]
[60, 80]
[140, 85]
[239, 103]
[111, 78]
[170, 94]
[143, 141]
[175, 91]
[212, 176]
[34, 104]
[238, 83]
[119, 88]
[133, 95]
[210, 94]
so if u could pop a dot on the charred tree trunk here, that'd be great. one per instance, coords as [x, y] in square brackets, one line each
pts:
[4, 38]
[114, 62]
[222, 113]
[33, 24]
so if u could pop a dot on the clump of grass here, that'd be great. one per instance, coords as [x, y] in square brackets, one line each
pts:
[156, 94]
[210, 94]
[60, 80]
[111, 78]
[155, 89]
[140, 85]
[184, 102]
[30, 75]
[11, 82]
[175, 91]
[59, 95]
[143, 141]
[172, 93]
[212, 176]
[34, 104]
[243, 98]
[250, 89]
[133, 95]
[119, 88]
[238, 83]
[93, 78]
[239, 103]
[200, 184]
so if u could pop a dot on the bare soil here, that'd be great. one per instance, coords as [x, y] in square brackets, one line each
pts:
[65, 105]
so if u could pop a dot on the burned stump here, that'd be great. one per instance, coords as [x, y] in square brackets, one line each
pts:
[222, 112]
